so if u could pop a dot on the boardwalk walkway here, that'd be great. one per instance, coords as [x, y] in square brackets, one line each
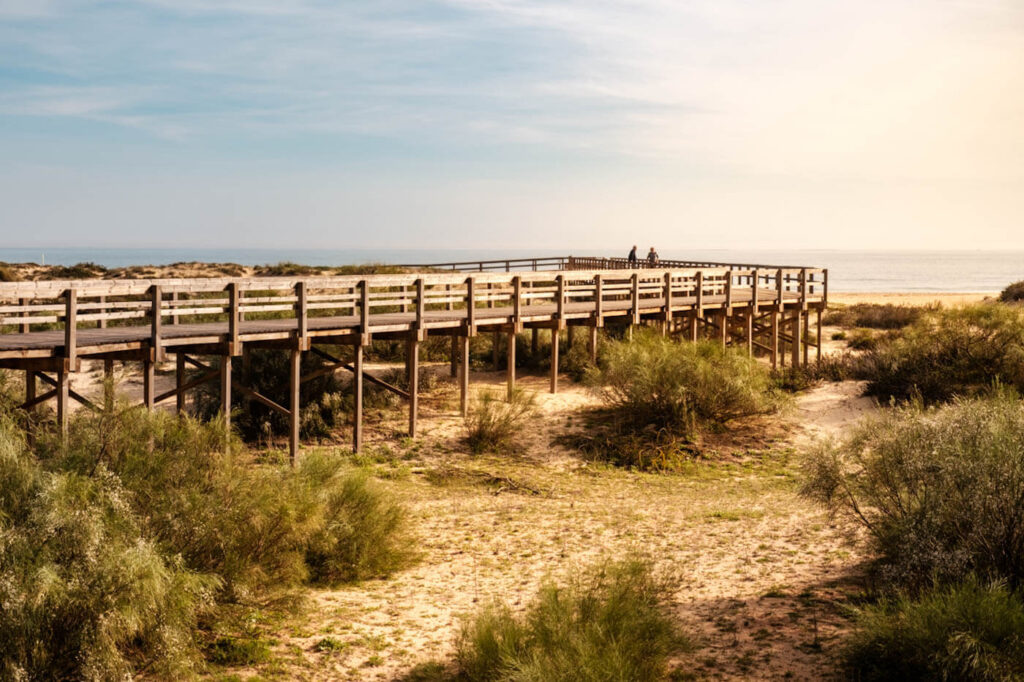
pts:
[48, 328]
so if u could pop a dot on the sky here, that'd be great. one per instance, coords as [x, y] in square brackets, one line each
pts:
[872, 124]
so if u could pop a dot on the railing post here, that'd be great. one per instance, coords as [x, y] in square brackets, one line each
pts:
[700, 292]
[470, 306]
[598, 301]
[301, 315]
[26, 327]
[668, 301]
[560, 279]
[803, 288]
[517, 305]
[102, 322]
[420, 308]
[728, 290]
[233, 305]
[753, 291]
[635, 282]
[824, 287]
[780, 287]
[364, 312]
[156, 322]
[71, 327]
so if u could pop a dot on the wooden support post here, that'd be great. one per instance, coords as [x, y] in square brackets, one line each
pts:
[148, 381]
[62, 402]
[225, 390]
[294, 403]
[570, 336]
[554, 359]
[818, 347]
[749, 319]
[179, 380]
[533, 342]
[775, 338]
[357, 398]
[723, 318]
[495, 349]
[694, 322]
[598, 301]
[108, 385]
[454, 356]
[30, 387]
[102, 322]
[464, 376]
[593, 344]
[414, 382]
[806, 337]
[510, 371]
[797, 325]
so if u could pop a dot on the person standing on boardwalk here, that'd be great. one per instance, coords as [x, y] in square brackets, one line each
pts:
[652, 258]
[632, 257]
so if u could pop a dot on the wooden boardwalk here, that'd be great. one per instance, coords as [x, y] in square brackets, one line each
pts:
[49, 327]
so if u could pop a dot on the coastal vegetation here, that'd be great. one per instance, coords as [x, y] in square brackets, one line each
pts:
[939, 493]
[138, 543]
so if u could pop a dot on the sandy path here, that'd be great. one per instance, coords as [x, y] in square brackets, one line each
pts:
[758, 567]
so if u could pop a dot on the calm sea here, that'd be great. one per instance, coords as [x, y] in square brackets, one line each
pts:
[961, 271]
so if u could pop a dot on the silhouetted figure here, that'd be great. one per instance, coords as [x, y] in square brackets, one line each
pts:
[632, 257]
[652, 258]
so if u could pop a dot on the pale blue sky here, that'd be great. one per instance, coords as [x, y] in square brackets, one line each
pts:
[504, 123]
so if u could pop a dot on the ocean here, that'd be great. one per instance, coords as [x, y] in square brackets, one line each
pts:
[849, 271]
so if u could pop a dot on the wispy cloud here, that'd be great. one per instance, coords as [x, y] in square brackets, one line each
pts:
[789, 87]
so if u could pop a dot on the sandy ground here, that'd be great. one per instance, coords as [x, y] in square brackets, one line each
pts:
[912, 298]
[758, 569]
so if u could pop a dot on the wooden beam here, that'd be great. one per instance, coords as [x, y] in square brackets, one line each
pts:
[75, 395]
[108, 385]
[41, 398]
[71, 325]
[179, 381]
[774, 341]
[187, 386]
[592, 346]
[156, 322]
[797, 325]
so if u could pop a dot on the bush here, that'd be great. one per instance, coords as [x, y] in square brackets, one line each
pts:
[877, 315]
[655, 383]
[362, 534]
[832, 367]
[85, 594]
[969, 632]
[493, 424]
[1012, 293]
[609, 624]
[77, 271]
[960, 352]
[940, 491]
[862, 339]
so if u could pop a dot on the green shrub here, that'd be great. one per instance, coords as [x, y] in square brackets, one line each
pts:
[608, 624]
[7, 273]
[876, 315]
[968, 632]
[940, 491]
[862, 339]
[1012, 293]
[77, 271]
[362, 534]
[946, 353]
[493, 423]
[831, 367]
[84, 594]
[656, 383]
[839, 336]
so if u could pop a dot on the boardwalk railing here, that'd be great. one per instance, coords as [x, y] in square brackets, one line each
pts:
[50, 327]
[374, 299]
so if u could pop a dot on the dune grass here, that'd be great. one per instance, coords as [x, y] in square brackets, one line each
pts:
[608, 623]
[493, 423]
